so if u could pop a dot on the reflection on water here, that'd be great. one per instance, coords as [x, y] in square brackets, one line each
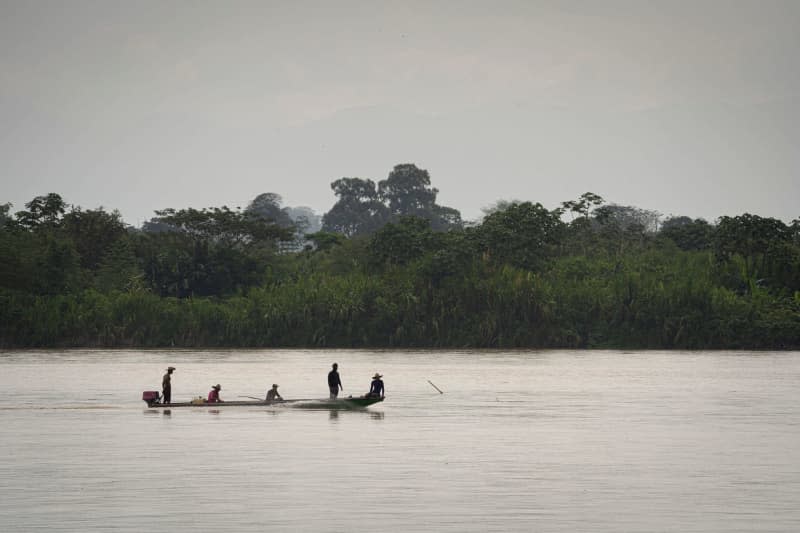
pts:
[334, 413]
[519, 441]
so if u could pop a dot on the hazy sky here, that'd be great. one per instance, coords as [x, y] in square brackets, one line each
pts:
[687, 108]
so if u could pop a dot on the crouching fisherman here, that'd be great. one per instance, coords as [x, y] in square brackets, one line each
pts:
[376, 387]
[273, 395]
[213, 394]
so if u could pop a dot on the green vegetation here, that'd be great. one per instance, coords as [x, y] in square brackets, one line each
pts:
[391, 268]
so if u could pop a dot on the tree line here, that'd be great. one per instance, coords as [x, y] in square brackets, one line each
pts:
[387, 266]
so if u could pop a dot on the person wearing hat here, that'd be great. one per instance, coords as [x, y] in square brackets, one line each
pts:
[213, 394]
[376, 388]
[272, 394]
[166, 385]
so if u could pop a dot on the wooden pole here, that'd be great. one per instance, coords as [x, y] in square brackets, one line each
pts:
[435, 387]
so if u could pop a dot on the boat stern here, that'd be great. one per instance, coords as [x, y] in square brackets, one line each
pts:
[151, 397]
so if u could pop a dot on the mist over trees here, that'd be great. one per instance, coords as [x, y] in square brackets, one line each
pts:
[387, 266]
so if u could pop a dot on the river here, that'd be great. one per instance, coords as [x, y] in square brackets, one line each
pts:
[596, 441]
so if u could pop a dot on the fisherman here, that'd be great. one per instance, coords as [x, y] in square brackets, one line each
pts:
[334, 382]
[213, 394]
[376, 387]
[166, 385]
[272, 394]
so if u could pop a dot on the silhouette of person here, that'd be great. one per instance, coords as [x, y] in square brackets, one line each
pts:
[272, 394]
[376, 387]
[213, 394]
[334, 381]
[166, 385]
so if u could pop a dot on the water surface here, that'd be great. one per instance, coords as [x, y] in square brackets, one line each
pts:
[519, 441]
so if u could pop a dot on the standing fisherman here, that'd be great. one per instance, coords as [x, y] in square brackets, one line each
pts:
[166, 385]
[334, 382]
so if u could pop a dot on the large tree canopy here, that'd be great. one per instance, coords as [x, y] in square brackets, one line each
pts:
[5, 209]
[358, 210]
[524, 235]
[94, 232]
[408, 192]
[225, 226]
[688, 234]
[764, 246]
[42, 211]
[268, 207]
[362, 208]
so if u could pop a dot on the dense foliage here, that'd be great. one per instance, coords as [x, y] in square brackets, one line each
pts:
[397, 271]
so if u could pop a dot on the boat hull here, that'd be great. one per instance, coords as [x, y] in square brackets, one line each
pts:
[338, 403]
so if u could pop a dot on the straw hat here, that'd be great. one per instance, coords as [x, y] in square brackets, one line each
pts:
[274, 386]
[377, 376]
[217, 386]
[170, 368]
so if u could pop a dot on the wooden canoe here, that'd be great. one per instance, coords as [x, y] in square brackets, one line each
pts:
[338, 403]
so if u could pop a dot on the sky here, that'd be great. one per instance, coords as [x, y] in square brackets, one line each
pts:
[685, 108]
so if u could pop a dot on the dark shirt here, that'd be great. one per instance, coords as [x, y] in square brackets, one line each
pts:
[273, 395]
[333, 380]
[377, 387]
[166, 382]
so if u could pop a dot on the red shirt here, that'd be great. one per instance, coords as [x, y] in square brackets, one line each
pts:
[213, 396]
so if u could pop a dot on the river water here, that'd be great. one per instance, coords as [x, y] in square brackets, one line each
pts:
[519, 441]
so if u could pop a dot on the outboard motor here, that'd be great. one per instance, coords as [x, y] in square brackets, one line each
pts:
[151, 397]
